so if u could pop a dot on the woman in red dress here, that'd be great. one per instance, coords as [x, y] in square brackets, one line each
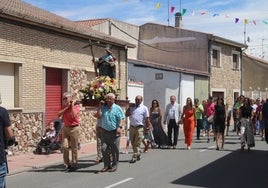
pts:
[189, 122]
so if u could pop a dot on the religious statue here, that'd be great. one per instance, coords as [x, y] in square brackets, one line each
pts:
[106, 64]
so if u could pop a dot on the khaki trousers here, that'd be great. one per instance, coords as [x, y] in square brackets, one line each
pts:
[70, 136]
[135, 135]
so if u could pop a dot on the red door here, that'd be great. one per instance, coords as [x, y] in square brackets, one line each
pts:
[53, 93]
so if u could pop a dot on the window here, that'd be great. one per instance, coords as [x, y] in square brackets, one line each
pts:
[235, 60]
[159, 76]
[216, 57]
[9, 84]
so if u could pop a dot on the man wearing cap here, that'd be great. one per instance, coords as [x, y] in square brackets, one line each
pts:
[70, 130]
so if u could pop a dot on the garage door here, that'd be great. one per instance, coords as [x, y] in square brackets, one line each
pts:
[53, 93]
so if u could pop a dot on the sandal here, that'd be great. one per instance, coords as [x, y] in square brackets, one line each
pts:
[105, 169]
[113, 169]
[98, 160]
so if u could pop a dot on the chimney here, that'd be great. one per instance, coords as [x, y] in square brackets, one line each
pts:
[178, 20]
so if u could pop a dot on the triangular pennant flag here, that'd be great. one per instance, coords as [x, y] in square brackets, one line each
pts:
[245, 21]
[203, 13]
[158, 5]
[254, 22]
[183, 11]
[265, 21]
[193, 13]
[216, 14]
[172, 9]
[236, 20]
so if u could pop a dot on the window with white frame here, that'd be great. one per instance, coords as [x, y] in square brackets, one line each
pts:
[216, 56]
[236, 60]
[9, 84]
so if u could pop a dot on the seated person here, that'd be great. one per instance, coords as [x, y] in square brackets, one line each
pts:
[50, 132]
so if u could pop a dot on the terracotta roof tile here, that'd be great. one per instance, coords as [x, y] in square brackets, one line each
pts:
[26, 12]
[94, 22]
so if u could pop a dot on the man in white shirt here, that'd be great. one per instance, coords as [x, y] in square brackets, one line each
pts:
[172, 118]
[139, 121]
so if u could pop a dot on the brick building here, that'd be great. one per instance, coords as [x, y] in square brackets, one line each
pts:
[38, 51]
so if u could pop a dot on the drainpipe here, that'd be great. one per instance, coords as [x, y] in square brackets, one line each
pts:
[119, 70]
[241, 73]
[179, 92]
[209, 64]
[126, 69]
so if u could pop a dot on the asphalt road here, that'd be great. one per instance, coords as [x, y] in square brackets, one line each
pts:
[202, 166]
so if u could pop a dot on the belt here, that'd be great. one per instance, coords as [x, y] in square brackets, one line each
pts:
[108, 131]
[137, 126]
[71, 125]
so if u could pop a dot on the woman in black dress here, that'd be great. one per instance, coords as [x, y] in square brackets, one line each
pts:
[159, 134]
[219, 122]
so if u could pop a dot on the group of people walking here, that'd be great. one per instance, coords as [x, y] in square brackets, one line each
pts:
[147, 124]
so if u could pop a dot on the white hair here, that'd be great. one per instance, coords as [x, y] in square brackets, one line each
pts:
[112, 95]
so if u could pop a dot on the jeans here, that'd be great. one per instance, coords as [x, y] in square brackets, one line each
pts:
[3, 173]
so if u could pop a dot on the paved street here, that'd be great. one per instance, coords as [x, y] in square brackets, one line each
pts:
[202, 166]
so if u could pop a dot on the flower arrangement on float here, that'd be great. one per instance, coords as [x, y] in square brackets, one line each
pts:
[99, 87]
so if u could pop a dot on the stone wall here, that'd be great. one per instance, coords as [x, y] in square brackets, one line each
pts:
[28, 130]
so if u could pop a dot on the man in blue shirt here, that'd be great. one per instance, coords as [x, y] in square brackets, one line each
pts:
[112, 118]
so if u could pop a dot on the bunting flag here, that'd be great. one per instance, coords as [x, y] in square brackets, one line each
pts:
[183, 11]
[216, 14]
[254, 22]
[172, 9]
[203, 13]
[236, 20]
[265, 22]
[245, 21]
[158, 5]
[193, 13]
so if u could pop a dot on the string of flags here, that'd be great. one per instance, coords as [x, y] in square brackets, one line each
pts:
[204, 12]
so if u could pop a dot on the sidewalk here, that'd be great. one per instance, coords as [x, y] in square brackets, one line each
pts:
[25, 162]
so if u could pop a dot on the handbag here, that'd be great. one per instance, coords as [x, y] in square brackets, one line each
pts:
[210, 118]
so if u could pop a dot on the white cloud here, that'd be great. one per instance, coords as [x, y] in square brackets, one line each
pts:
[139, 12]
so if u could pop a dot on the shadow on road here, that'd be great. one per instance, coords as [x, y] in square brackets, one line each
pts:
[83, 166]
[238, 169]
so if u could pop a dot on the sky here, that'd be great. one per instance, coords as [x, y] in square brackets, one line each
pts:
[237, 20]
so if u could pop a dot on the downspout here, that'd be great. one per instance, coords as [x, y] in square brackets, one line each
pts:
[119, 71]
[241, 72]
[209, 65]
[179, 92]
[126, 71]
